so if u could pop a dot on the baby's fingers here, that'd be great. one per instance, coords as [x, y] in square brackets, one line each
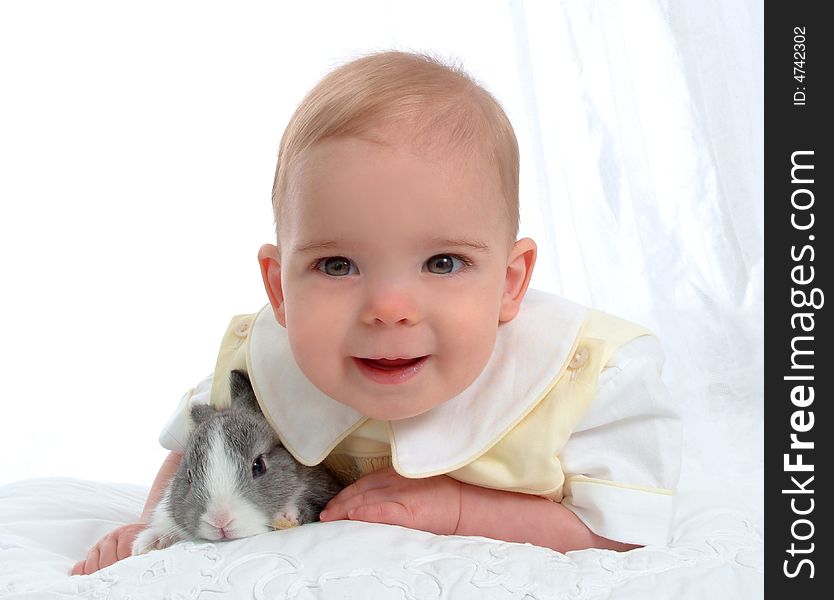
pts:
[113, 547]
[339, 509]
[78, 568]
[88, 565]
[356, 494]
[107, 552]
[390, 513]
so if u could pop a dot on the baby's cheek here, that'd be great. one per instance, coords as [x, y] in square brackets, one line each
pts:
[315, 362]
[468, 353]
[315, 348]
[310, 334]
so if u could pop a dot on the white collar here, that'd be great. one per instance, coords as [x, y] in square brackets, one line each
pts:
[530, 352]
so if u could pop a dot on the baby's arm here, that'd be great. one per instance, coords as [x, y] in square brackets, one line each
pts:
[446, 506]
[515, 517]
[117, 544]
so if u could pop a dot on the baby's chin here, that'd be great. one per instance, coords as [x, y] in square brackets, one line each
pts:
[385, 410]
[396, 407]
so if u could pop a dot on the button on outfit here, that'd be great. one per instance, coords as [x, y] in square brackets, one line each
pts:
[579, 358]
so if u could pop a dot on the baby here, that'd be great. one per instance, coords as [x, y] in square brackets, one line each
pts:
[402, 348]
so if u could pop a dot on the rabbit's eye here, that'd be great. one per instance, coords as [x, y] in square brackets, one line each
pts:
[188, 475]
[259, 466]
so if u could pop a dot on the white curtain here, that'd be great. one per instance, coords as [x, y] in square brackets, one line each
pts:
[643, 139]
[138, 146]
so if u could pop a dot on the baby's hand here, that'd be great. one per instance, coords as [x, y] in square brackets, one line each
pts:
[384, 496]
[113, 547]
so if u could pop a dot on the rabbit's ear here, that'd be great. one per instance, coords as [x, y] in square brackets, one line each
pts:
[242, 394]
[200, 413]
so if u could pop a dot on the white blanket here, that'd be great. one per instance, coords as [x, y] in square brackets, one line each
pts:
[48, 524]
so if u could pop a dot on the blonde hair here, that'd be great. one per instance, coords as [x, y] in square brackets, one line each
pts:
[445, 106]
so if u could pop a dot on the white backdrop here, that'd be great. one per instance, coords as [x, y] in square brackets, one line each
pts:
[137, 149]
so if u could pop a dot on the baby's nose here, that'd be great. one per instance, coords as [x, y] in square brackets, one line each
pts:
[391, 305]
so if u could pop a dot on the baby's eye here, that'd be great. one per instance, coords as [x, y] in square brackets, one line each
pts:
[337, 266]
[443, 264]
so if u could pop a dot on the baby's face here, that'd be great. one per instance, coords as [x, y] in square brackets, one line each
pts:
[393, 273]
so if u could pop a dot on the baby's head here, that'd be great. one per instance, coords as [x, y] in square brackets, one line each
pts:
[396, 207]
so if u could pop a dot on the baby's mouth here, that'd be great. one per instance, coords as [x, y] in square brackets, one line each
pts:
[390, 370]
[391, 364]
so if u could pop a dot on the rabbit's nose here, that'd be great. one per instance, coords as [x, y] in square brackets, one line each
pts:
[220, 518]
[221, 521]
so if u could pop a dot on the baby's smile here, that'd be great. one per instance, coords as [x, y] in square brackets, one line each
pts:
[390, 370]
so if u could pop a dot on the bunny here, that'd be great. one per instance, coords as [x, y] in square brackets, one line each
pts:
[235, 479]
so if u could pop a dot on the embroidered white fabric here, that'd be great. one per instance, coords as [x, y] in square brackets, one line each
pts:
[48, 524]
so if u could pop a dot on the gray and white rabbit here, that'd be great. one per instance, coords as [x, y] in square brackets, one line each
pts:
[235, 479]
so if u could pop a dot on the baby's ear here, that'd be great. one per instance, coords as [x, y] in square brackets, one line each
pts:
[241, 391]
[270, 260]
[200, 413]
[522, 259]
